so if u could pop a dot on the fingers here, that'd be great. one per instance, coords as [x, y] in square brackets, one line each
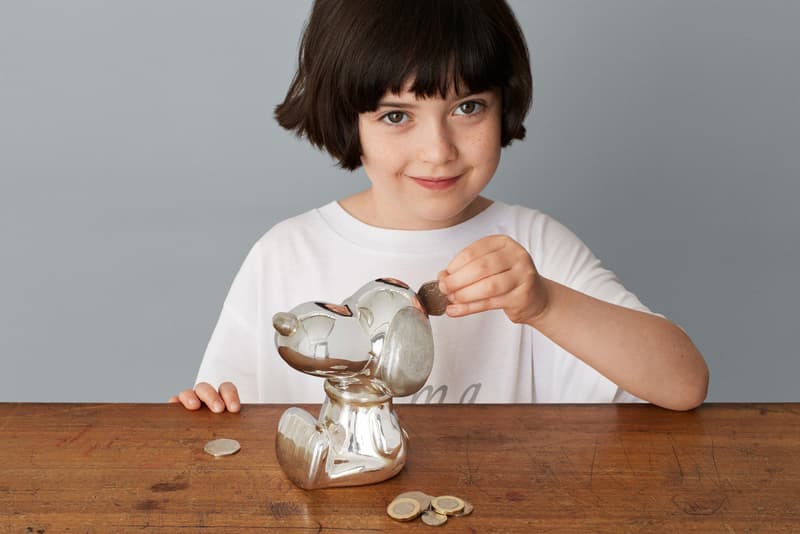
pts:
[494, 285]
[479, 248]
[189, 399]
[210, 397]
[485, 259]
[230, 395]
[489, 266]
[468, 308]
[204, 393]
[495, 272]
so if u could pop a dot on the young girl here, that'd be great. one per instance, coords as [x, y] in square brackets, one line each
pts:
[424, 95]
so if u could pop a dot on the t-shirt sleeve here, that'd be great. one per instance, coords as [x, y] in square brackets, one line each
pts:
[569, 261]
[233, 351]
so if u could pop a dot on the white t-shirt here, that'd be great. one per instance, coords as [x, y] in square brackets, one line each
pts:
[326, 255]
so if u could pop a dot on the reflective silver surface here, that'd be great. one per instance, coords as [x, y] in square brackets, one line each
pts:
[375, 345]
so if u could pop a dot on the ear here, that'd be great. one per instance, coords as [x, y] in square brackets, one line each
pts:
[406, 359]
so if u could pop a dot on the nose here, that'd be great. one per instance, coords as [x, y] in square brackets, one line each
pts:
[437, 144]
[285, 323]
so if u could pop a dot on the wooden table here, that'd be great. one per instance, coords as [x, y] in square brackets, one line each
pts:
[525, 468]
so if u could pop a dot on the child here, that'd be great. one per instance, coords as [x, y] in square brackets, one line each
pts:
[424, 95]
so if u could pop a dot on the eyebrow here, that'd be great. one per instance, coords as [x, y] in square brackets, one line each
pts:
[402, 105]
[409, 105]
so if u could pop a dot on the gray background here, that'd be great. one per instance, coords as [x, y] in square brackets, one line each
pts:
[139, 161]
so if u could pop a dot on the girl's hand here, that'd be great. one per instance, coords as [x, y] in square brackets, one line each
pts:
[204, 393]
[495, 272]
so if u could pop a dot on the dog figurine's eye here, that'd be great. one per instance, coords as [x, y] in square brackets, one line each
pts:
[394, 282]
[338, 309]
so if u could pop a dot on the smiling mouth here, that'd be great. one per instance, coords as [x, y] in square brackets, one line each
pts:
[438, 183]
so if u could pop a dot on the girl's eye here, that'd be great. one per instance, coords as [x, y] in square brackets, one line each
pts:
[395, 117]
[469, 108]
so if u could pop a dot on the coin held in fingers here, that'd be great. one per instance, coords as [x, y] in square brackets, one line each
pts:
[432, 298]
[222, 447]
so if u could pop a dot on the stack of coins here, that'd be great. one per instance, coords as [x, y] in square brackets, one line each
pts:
[434, 511]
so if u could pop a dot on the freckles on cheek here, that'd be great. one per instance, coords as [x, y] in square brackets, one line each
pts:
[372, 147]
[365, 139]
[380, 154]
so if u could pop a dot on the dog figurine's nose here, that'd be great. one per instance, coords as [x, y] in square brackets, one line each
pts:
[285, 323]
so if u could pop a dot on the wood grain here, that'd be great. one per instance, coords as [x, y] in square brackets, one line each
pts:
[525, 468]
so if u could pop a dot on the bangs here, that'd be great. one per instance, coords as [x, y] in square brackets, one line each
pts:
[438, 45]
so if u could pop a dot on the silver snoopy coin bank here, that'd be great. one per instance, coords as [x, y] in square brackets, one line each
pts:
[375, 345]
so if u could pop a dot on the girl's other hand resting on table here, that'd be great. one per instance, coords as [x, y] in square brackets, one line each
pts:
[204, 393]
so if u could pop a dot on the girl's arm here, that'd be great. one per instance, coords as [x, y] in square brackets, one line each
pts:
[644, 354]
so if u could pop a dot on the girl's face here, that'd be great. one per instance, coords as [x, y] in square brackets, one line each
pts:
[428, 159]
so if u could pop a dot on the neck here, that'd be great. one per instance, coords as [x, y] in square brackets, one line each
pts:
[363, 206]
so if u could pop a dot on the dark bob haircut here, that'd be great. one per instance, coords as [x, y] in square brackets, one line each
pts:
[353, 51]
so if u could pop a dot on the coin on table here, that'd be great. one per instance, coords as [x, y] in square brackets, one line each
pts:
[403, 509]
[222, 447]
[466, 511]
[423, 499]
[447, 504]
[434, 518]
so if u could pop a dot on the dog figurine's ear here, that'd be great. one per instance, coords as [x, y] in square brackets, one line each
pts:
[399, 332]
[376, 345]
[406, 359]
